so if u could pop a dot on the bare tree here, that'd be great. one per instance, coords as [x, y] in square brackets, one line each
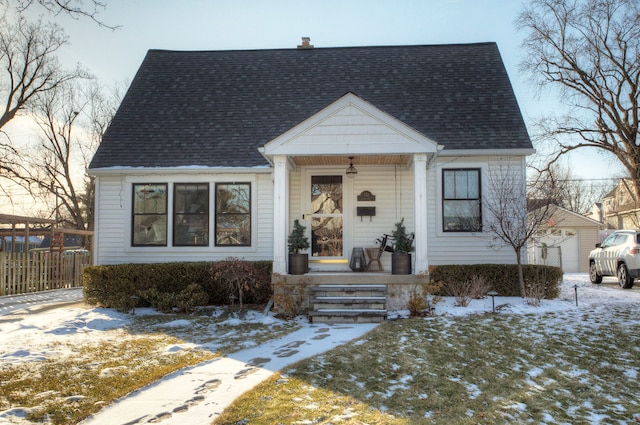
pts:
[102, 108]
[590, 50]
[31, 68]
[508, 222]
[74, 8]
[69, 119]
[570, 192]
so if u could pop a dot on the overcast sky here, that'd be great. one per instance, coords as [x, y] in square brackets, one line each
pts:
[115, 55]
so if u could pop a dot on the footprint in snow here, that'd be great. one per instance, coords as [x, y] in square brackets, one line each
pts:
[321, 336]
[258, 361]
[245, 372]
[208, 386]
[287, 353]
[159, 417]
[191, 402]
[288, 347]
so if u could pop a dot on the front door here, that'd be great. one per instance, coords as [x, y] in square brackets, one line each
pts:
[326, 221]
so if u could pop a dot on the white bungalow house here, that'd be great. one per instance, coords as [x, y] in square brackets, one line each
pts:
[215, 153]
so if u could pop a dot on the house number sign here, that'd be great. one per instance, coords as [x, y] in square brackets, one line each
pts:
[366, 196]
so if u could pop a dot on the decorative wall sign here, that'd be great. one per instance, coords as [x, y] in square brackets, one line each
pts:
[366, 196]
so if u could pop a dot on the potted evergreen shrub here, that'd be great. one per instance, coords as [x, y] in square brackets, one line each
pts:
[402, 247]
[298, 262]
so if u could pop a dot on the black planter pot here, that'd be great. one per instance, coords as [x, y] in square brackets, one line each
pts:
[298, 263]
[400, 263]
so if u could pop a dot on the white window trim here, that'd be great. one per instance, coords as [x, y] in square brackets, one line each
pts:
[171, 180]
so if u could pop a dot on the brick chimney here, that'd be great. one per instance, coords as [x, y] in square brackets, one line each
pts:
[306, 43]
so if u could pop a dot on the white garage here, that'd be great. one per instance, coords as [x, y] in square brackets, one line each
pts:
[566, 241]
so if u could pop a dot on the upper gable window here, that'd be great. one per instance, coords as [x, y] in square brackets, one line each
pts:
[461, 200]
[191, 214]
[149, 215]
[233, 214]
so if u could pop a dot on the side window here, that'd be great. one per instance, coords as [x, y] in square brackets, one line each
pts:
[461, 200]
[191, 214]
[621, 239]
[149, 215]
[233, 214]
[609, 241]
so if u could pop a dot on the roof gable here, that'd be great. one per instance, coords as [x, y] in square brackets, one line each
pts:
[350, 126]
[216, 108]
[563, 217]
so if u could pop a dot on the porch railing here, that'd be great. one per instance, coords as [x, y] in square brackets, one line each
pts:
[35, 271]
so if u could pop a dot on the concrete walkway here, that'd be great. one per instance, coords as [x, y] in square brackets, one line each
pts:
[197, 395]
[36, 301]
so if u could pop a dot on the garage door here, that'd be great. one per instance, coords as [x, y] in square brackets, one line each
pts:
[567, 240]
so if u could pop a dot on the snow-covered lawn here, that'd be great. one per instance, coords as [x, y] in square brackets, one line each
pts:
[557, 363]
[58, 365]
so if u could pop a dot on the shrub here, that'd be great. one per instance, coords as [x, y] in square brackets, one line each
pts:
[503, 278]
[236, 276]
[184, 301]
[536, 286]
[422, 301]
[167, 286]
[464, 291]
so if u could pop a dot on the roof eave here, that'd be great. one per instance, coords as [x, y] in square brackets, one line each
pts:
[484, 152]
[119, 170]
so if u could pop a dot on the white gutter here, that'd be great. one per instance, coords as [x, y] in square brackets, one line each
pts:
[263, 169]
[487, 152]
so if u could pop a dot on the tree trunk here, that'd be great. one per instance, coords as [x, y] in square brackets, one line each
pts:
[520, 273]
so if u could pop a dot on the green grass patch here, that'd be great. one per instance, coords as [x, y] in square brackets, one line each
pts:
[553, 368]
[76, 380]
[67, 389]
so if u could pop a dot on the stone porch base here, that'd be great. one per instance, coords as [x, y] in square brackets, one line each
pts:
[293, 295]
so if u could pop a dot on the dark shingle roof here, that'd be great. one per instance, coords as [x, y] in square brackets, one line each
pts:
[215, 108]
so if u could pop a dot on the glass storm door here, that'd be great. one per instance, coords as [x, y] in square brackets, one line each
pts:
[326, 217]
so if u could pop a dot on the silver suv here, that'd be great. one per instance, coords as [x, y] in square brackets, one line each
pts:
[618, 255]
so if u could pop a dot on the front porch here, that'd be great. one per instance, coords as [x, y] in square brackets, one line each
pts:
[311, 181]
[345, 297]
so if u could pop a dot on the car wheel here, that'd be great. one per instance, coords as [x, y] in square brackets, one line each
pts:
[624, 279]
[593, 273]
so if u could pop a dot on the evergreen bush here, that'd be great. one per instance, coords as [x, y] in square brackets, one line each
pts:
[168, 286]
[503, 278]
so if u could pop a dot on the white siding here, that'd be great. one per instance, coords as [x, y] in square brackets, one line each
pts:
[111, 236]
[460, 248]
[393, 187]
[113, 222]
[353, 126]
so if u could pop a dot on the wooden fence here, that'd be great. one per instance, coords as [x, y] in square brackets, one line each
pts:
[35, 271]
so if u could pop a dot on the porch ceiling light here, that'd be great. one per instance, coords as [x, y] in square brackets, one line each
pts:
[351, 171]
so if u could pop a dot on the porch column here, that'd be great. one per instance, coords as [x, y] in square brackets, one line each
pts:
[420, 183]
[280, 213]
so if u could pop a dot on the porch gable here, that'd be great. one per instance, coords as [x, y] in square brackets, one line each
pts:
[350, 126]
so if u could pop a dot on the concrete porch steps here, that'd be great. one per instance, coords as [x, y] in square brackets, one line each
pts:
[354, 303]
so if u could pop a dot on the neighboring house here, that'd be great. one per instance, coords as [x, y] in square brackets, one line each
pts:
[215, 153]
[565, 241]
[596, 212]
[19, 245]
[621, 208]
